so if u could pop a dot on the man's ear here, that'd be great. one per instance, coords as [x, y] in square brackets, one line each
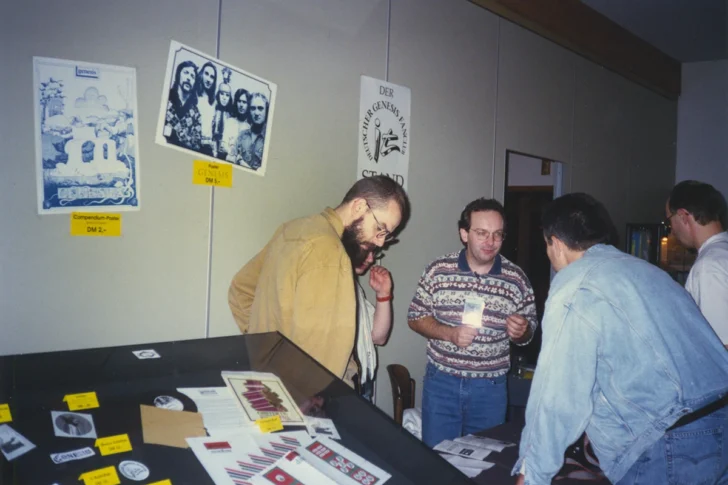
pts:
[464, 236]
[359, 207]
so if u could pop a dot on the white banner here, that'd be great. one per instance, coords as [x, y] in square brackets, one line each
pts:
[384, 124]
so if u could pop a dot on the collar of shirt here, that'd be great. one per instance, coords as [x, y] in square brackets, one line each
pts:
[716, 238]
[463, 265]
[333, 218]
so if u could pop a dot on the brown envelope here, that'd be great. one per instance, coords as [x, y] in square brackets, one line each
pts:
[170, 428]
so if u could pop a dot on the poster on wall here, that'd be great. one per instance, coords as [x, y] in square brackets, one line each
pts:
[384, 123]
[86, 120]
[215, 111]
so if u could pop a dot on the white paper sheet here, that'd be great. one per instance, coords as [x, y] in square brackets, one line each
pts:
[462, 449]
[485, 443]
[221, 415]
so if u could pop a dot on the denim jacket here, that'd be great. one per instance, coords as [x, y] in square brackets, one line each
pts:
[625, 354]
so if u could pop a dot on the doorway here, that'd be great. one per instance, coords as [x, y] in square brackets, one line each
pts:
[531, 183]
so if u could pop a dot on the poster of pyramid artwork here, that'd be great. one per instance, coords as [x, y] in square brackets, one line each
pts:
[87, 157]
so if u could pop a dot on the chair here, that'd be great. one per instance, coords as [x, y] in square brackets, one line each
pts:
[403, 390]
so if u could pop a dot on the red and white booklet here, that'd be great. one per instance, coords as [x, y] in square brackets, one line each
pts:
[342, 465]
[291, 470]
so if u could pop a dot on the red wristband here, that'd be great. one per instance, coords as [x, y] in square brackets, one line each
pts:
[385, 298]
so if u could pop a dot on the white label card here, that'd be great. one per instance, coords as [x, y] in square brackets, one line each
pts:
[473, 311]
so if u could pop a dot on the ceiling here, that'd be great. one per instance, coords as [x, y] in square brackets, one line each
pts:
[687, 30]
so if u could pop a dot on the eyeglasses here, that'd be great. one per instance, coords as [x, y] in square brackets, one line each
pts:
[383, 233]
[498, 236]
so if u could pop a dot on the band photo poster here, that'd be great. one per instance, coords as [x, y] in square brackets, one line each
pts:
[383, 131]
[215, 111]
[87, 157]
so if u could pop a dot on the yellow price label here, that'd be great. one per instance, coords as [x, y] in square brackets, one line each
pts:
[102, 476]
[5, 416]
[216, 174]
[163, 482]
[113, 444]
[95, 224]
[270, 424]
[85, 400]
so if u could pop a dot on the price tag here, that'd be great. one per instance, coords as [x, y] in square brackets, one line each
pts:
[163, 482]
[5, 416]
[85, 400]
[113, 444]
[95, 224]
[268, 425]
[216, 174]
[102, 476]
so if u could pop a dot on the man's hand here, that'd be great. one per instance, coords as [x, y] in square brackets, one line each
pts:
[520, 480]
[516, 327]
[381, 281]
[463, 335]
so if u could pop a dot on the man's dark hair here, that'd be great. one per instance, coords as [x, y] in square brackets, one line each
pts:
[578, 220]
[702, 200]
[201, 91]
[178, 73]
[480, 205]
[378, 191]
[241, 116]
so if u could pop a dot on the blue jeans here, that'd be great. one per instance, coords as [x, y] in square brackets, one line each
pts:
[455, 406]
[693, 454]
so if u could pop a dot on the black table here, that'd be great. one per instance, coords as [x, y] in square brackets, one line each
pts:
[34, 385]
[504, 461]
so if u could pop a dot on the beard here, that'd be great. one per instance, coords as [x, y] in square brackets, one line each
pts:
[354, 243]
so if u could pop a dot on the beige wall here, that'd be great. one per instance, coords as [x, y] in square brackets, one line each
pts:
[480, 86]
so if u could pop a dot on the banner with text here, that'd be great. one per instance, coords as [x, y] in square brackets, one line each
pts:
[384, 124]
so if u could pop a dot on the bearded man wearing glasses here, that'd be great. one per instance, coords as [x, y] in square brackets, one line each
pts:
[301, 283]
[470, 304]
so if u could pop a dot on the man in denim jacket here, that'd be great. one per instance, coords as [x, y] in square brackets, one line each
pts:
[626, 357]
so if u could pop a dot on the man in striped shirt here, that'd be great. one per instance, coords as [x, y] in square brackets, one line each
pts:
[470, 305]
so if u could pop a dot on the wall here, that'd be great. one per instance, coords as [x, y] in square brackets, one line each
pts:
[702, 127]
[480, 86]
[525, 171]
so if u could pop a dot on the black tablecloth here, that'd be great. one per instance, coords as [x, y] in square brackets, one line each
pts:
[34, 385]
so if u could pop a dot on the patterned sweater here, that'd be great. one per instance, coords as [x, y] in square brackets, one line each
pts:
[441, 293]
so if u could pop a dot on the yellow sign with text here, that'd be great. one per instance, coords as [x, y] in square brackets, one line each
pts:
[268, 425]
[216, 174]
[85, 400]
[95, 224]
[113, 444]
[102, 476]
[163, 482]
[5, 416]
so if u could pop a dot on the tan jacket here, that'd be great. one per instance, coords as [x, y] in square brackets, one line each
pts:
[302, 285]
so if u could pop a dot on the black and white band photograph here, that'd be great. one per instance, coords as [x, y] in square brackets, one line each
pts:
[215, 110]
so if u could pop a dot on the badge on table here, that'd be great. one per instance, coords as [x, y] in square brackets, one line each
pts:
[134, 470]
[59, 458]
[473, 311]
[146, 354]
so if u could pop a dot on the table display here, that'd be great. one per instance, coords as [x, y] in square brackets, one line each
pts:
[116, 415]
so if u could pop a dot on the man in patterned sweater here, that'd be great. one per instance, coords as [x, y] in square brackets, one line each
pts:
[470, 305]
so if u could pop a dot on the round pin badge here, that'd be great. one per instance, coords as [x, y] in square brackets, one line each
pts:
[169, 402]
[133, 470]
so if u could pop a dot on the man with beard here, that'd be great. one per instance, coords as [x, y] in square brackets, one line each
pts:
[470, 305]
[182, 125]
[302, 284]
[373, 324]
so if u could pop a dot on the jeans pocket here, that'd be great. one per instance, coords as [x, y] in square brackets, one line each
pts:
[694, 457]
